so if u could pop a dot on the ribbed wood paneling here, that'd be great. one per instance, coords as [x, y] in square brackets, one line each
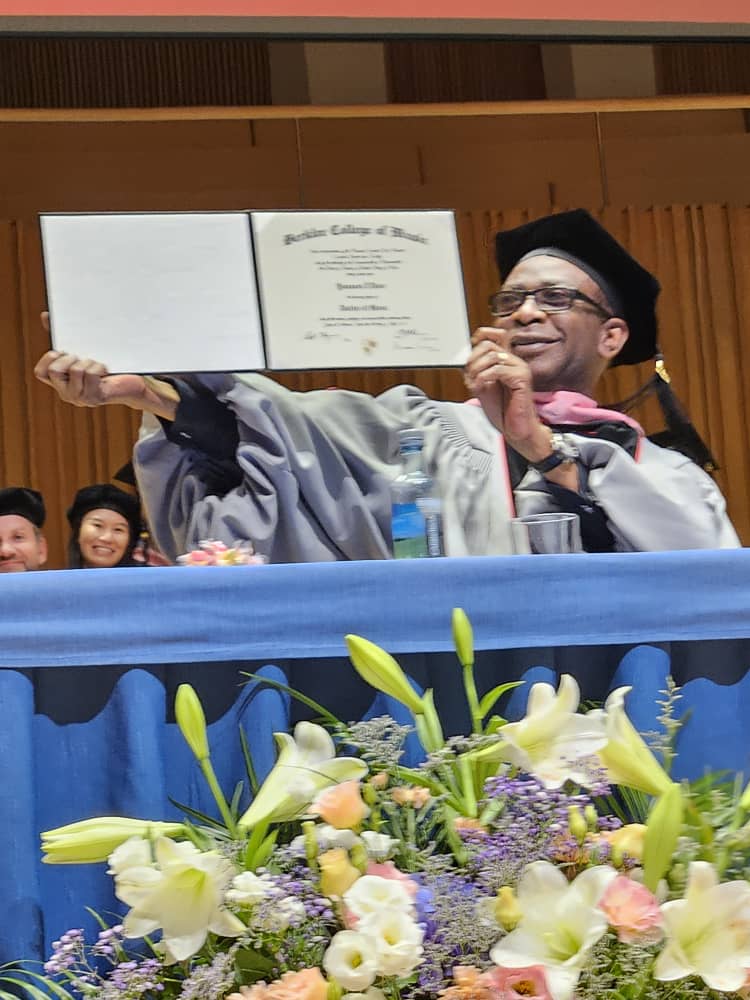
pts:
[426, 70]
[133, 72]
[715, 68]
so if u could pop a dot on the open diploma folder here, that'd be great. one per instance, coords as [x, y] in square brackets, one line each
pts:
[242, 291]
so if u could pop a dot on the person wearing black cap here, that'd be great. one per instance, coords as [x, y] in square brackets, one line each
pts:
[23, 547]
[305, 476]
[105, 525]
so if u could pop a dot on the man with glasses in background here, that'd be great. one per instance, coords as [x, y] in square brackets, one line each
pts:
[306, 476]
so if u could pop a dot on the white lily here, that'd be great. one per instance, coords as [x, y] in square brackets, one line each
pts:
[707, 932]
[560, 924]
[307, 764]
[183, 896]
[552, 738]
[625, 755]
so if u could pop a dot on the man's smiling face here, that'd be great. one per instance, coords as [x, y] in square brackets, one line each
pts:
[564, 350]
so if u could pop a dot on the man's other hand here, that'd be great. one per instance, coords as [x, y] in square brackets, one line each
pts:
[84, 382]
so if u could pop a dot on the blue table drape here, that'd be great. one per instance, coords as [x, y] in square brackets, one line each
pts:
[90, 662]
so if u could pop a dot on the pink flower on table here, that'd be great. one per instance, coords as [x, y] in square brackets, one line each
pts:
[633, 911]
[528, 983]
[388, 870]
[198, 557]
[341, 806]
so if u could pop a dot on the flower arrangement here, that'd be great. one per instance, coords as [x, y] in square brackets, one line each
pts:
[211, 552]
[498, 869]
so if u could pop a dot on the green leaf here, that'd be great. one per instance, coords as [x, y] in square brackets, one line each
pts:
[329, 717]
[492, 696]
[249, 960]
[252, 775]
[234, 805]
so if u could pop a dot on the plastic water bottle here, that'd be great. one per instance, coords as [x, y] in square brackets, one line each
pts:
[416, 515]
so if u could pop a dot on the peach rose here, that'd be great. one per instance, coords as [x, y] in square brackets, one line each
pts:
[415, 795]
[528, 983]
[468, 984]
[388, 870]
[256, 992]
[307, 984]
[341, 806]
[337, 873]
[633, 911]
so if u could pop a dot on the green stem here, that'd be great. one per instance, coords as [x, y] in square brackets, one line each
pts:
[210, 776]
[472, 698]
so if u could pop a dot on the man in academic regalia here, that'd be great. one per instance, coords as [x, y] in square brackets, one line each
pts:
[23, 547]
[305, 476]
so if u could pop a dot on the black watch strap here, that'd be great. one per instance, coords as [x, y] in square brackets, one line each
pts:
[549, 463]
[563, 450]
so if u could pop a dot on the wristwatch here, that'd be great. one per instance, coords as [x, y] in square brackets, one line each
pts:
[564, 451]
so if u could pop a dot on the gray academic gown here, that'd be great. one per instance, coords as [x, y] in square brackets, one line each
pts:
[316, 468]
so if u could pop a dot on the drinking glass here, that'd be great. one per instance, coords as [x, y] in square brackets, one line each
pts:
[536, 534]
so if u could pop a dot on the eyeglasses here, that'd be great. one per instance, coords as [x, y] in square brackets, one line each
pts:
[550, 299]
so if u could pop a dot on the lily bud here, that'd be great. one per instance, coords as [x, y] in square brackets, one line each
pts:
[662, 832]
[359, 856]
[382, 672]
[192, 720]
[508, 912]
[334, 991]
[463, 637]
[591, 816]
[577, 824]
[93, 840]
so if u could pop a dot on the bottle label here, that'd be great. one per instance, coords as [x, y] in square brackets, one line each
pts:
[434, 534]
[408, 529]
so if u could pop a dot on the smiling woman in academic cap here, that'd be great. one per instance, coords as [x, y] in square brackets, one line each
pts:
[105, 524]
[306, 476]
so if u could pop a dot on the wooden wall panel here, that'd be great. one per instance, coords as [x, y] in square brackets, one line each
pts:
[660, 124]
[460, 164]
[656, 171]
[159, 165]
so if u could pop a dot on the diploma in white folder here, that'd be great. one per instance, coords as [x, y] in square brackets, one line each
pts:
[247, 291]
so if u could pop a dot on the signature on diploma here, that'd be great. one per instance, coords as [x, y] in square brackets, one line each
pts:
[410, 339]
[327, 335]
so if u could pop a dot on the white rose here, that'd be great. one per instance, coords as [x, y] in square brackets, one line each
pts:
[350, 960]
[328, 839]
[397, 939]
[373, 894]
[247, 889]
[379, 845]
